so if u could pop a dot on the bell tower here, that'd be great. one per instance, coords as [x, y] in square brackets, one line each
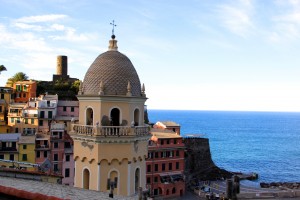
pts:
[110, 141]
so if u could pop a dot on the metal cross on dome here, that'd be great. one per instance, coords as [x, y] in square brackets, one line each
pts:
[113, 25]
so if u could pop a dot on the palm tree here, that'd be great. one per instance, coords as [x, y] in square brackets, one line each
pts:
[20, 76]
[2, 68]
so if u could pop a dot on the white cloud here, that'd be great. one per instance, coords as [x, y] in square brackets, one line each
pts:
[286, 24]
[58, 27]
[28, 26]
[236, 17]
[41, 18]
[71, 35]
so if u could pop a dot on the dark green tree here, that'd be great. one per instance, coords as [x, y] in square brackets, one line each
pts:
[2, 68]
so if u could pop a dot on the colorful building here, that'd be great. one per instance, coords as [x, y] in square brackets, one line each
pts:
[15, 117]
[24, 90]
[42, 148]
[61, 156]
[6, 94]
[67, 112]
[110, 140]
[47, 108]
[9, 149]
[165, 164]
[27, 151]
[30, 118]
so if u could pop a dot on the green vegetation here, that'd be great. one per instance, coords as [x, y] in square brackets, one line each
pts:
[65, 90]
[20, 76]
[2, 68]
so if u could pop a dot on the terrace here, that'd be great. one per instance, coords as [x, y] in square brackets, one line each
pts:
[109, 131]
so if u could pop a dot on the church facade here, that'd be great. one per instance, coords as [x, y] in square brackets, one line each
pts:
[110, 140]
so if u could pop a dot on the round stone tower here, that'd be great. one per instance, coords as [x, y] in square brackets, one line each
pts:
[62, 66]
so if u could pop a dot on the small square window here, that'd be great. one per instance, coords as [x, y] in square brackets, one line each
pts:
[24, 157]
[24, 146]
[55, 157]
[67, 172]
[67, 158]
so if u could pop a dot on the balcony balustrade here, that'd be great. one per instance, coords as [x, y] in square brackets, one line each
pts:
[14, 114]
[109, 131]
[29, 115]
[42, 146]
[12, 149]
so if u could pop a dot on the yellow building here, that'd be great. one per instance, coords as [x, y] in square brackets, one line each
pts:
[9, 148]
[5, 100]
[30, 117]
[110, 141]
[15, 117]
[27, 151]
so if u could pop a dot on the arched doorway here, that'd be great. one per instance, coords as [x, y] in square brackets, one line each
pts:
[137, 180]
[86, 179]
[89, 116]
[113, 181]
[115, 117]
[136, 117]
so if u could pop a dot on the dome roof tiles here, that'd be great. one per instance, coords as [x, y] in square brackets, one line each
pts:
[114, 69]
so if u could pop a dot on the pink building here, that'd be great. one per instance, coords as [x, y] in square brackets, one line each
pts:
[67, 112]
[61, 157]
[42, 147]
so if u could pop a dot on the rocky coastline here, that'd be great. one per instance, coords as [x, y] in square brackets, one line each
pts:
[281, 185]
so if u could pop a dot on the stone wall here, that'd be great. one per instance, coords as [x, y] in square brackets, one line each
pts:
[198, 161]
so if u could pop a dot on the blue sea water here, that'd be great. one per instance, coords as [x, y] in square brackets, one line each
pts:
[267, 143]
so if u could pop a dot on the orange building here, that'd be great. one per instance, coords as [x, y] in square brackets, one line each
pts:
[24, 90]
[165, 164]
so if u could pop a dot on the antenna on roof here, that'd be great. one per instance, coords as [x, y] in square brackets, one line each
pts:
[113, 29]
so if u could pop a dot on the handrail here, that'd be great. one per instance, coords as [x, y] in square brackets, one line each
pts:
[109, 131]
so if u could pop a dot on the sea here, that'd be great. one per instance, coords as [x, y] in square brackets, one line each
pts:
[266, 143]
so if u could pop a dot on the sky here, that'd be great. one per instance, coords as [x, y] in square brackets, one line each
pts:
[191, 55]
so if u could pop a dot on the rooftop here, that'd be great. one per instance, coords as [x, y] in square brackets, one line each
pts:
[10, 137]
[159, 133]
[170, 123]
[68, 103]
[14, 185]
[27, 139]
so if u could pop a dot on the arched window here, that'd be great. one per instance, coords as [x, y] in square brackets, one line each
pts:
[137, 179]
[89, 116]
[115, 117]
[136, 117]
[173, 190]
[86, 179]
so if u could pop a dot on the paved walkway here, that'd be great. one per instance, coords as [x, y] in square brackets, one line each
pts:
[53, 190]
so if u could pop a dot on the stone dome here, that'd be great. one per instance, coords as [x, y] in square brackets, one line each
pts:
[114, 69]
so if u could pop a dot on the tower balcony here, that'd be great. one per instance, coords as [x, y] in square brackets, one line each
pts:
[109, 131]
